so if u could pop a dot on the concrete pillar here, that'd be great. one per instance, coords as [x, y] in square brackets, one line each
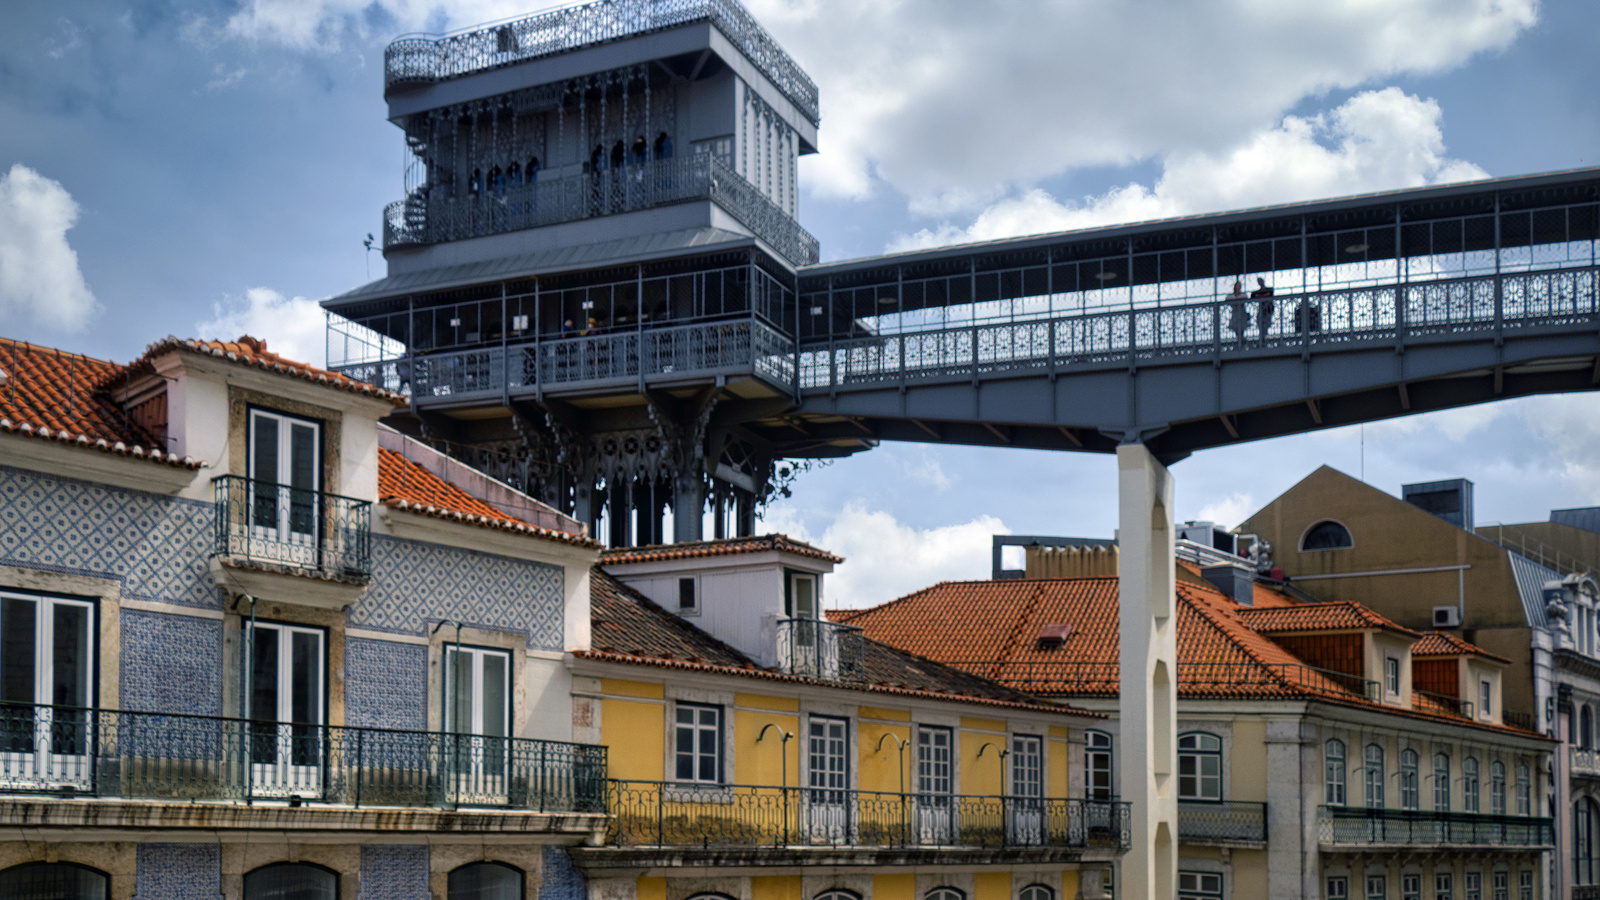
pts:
[688, 508]
[1285, 811]
[1149, 673]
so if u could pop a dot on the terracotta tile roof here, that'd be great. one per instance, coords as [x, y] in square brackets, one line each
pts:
[1337, 616]
[54, 395]
[628, 627]
[253, 352]
[727, 546]
[1438, 643]
[405, 485]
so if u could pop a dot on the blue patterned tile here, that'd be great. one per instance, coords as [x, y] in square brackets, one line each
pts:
[561, 881]
[394, 872]
[171, 663]
[178, 872]
[385, 684]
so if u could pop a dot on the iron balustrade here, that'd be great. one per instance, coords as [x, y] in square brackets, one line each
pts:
[1516, 719]
[173, 756]
[820, 649]
[728, 347]
[1386, 313]
[422, 59]
[431, 217]
[666, 814]
[1586, 891]
[1584, 762]
[1454, 706]
[1195, 679]
[1224, 822]
[278, 525]
[1352, 825]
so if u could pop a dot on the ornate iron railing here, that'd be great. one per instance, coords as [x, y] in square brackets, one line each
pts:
[1455, 706]
[422, 59]
[1585, 763]
[1225, 822]
[820, 649]
[1516, 719]
[427, 218]
[1486, 304]
[729, 347]
[274, 524]
[172, 756]
[665, 814]
[1351, 825]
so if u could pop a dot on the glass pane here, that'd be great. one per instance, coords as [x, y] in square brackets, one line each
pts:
[494, 695]
[460, 694]
[264, 675]
[52, 881]
[804, 608]
[291, 882]
[485, 881]
[302, 478]
[305, 679]
[19, 632]
[70, 662]
[264, 469]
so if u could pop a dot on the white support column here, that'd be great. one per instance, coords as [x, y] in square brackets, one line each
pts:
[1149, 669]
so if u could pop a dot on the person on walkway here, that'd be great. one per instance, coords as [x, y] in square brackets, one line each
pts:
[1238, 315]
[1264, 307]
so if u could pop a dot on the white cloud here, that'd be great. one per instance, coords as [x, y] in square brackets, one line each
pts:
[39, 277]
[956, 104]
[294, 327]
[1230, 510]
[325, 25]
[923, 467]
[885, 558]
[1376, 140]
[225, 78]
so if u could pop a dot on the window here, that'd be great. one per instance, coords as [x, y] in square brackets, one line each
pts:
[1524, 791]
[945, 893]
[1373, 776]
[1443, 887]
[1472, 886]
[688, 602]
[1097, 765]
[1199, 886]
[301, 881]
[1391, 675]
[1338, 888]
[935, 773]
[698, 743]
[57, 881]
[1377, 887]
[1585, 729]
[477, 691]
[1501, 883]
[1469, 784]
[485, 881]
[1199, 766]
[837, 894]
[1037, 892]
[46, 674]
[1410, 794]
[1525, 884]
[1326, 535]
[285, 706]
[285, 468]
[1497, 788]
[1333, 772]
[1441, 782]
[1027, 767]
[1411, 887]
[1585, 817]
[1485, 699]
[803, 596]
[828, 763]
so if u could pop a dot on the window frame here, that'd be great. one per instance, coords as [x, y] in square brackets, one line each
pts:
[477, 653]
[1444, 886]
[696, 756]
[43, 644]
[1306, 535]
[929, 775]
[1471, 786]
[1093, 752]
[1337, 887]
[1485, 698]
[1410, 782]
[244, 889]
[694, 607]
[1441, 782]
[1391, 675]
[1497, 788]
[1524, 789]
[944, 892]
[1200, 885]
[1377, 887]
[1036, 891]
[1197, 756]
[1334, 772]
[1373, 782]
[522, 876]
[44, 866]
[285, 648]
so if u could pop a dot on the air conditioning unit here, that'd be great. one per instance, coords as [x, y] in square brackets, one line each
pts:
[1446, 617]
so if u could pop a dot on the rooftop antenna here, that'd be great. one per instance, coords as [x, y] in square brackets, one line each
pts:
[368, 244]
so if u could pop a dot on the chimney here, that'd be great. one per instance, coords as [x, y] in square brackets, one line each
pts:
[1449, 500]
[1235, 581]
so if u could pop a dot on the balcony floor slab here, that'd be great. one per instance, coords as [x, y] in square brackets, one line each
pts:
[600, 859]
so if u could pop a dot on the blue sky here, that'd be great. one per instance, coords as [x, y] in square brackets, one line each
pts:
[212, 167]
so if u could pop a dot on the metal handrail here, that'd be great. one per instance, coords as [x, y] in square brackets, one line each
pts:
[423, 59]
[281, 525]
[1454, 705]
[181, 756]
[821, 649]
[1223, 821]
[674, 814]
[1422, 828]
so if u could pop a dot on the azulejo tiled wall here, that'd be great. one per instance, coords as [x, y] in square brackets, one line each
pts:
[398, 872]
[171, 663]
[178, 872]
[156, 545]
[560, 880]
[415, 584]
[385, 684]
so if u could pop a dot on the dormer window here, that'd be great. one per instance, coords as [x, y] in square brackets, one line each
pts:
[688, 597]
[803, 596]
[1326, 535]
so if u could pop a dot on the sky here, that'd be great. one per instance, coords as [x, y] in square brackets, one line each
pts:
[211, 168]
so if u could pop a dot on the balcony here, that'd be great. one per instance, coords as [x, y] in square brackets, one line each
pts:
[820, 649]
[425, 218]
[266, 531]
[180, 758]
[1361, 827]
[1225, 824]
[777, 823]
[1583, 763]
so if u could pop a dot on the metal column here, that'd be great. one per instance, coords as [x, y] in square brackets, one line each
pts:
[1148, 673]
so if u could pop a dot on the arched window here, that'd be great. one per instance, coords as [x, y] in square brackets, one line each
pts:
[1497, 788]
[54, 881]
[663, 146]
[1410, 794]
[640, 151]
[491, 881]
[1097, 783]
[1333, 772]
[497, 182]
[619, 155]
[1373, 776]
[1037, 892]
[1585, 728]
[837, 894]
[1469, 784]
[1524, 791]
[291, 881]
[514, 174]
[1199, 766]
[597, 159]
[945, 892]
[1441, 782]
[1326, 535]
[1585, 818]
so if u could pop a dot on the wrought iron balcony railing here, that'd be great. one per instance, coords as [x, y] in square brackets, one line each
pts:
[664, 814]
[171, 756]
[419, 59]
[1225, 822]
[429, 218]
[820, 649]
[282, 526]
[1454, 706]
[1360, 826]
[1516, 719]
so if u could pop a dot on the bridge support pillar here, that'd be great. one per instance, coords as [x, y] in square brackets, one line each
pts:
[688, 508]
[1148, 673]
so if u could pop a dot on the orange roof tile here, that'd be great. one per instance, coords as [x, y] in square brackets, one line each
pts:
[54, 395]
[253, 352]
[727, 546]
[1333, 616]
[405, 485]
[1438, 643]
